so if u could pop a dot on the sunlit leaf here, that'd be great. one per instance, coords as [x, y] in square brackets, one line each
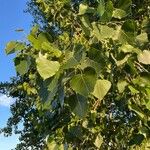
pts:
[144, 57]
[98, 141]
[121, 85]
[101, 88]
[46, 68]
[119, 13]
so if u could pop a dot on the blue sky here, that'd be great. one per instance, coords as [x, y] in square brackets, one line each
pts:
[12, 17]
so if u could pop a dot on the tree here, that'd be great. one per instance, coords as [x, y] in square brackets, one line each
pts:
[83, 78]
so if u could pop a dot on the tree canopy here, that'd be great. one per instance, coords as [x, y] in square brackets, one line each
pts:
[83, 76]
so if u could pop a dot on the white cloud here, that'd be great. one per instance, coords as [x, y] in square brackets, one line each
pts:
[6, 101]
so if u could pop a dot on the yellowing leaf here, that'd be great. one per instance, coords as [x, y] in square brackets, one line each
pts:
[101, 88]
[144, 57]
[46, 68]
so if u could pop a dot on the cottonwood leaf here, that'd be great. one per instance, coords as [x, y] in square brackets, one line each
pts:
[46, 68]
[121, 85]
[83, 83]
[142, 39]
[127, 48]
[98, 141]
[22, 65]
[102, 32]
[51, 49]
[101, 7]
[79, 105]
[144, 57]
[13, 46]
[85, 9]
[119, 13]
[101, 88]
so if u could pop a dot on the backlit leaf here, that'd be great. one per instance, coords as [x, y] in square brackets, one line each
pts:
[14, 46]
[46, 68]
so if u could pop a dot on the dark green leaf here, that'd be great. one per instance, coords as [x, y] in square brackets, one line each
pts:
[84, 83]
[79, 105]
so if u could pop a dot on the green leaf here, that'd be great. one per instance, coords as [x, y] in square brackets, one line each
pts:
[36, 44]
[144, 57]
[142, 39]
[34, 30]
[84, 83]
[90, 63]
[61, 94]
[119, 13]
[133, 90]
[13, 46]
[72, 59]
[126, 33]
[98, 141]
[137, 110]
[37, 41]
[22, 65]
[47, 90]
[106, 17]
[127, 48]
[124, 4]
[122, 61]
[83, 9]
[142, 80]
[69, 60]
[101, 88]
[46, 68]
[51, 49]
[121, 85]
[101, 7]
[86, 25]
[54, 146]
[79, 105]
[102, 32]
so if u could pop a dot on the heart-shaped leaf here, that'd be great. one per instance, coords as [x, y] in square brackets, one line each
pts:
[83, 83]
[101, 88]
[46, 68]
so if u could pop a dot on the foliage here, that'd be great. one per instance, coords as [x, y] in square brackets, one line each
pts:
[83, 81]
